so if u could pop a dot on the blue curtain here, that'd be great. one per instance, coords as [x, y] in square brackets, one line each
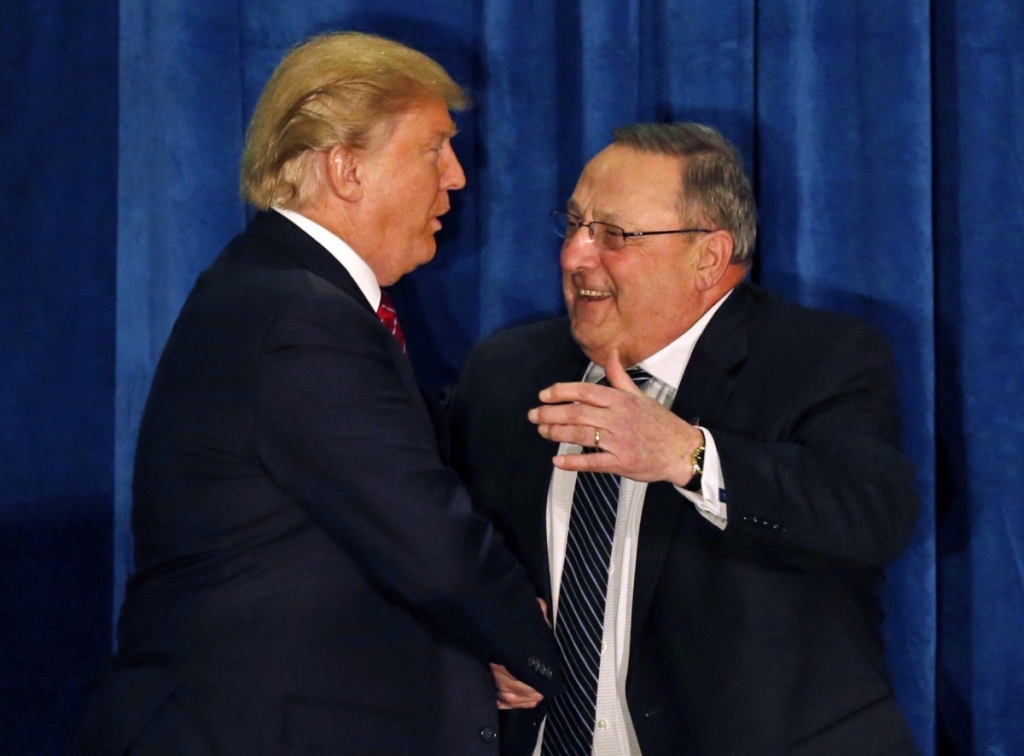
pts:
[886, 143]
[58, 162]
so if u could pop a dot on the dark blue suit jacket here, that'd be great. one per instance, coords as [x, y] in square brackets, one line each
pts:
[765, 638]
[310, 576]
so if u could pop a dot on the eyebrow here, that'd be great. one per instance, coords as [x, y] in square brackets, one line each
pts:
[439, 137]
[611, 219]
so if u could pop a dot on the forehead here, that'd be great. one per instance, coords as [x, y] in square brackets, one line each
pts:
[427, 120]
[622, 181]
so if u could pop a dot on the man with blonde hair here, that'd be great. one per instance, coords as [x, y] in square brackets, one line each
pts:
[309, 574]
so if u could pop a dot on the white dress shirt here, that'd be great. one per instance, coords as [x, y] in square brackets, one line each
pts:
[614, 734]
[356, 266]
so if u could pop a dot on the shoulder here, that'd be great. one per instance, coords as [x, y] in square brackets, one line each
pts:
[784, 338]
[521, 358]
[545, 337]
[256, 287]
[793, 326]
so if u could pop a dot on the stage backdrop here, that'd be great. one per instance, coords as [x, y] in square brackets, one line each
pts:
[886, 144]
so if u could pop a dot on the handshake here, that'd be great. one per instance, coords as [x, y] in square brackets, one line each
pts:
[512, 693]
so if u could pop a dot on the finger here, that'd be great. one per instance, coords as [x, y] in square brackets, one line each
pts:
[517, 700]
[581, 435]
[511, 690]
[617, 375]
[580, 391]
[544, 610]
[596, 462]
[520, 695]
[569, 414]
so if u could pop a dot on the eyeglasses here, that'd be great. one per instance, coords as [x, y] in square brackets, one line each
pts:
[605, 235]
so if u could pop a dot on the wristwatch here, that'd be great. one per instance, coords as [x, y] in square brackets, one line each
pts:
[697, 461]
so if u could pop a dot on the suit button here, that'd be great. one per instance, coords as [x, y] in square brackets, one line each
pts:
[488, 734]
[540, 667]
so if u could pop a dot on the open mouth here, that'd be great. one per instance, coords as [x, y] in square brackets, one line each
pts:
[592, 295]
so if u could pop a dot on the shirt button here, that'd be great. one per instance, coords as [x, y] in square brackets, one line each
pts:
[611, 569]
[604, 647]
[602, 724]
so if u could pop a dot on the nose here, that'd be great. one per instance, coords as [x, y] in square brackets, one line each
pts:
[452, 177]
[579, 251]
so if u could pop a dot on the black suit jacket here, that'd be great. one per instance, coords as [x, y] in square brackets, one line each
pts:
[764, 638]
[309, 576]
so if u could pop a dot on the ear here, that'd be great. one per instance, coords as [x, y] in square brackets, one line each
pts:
[342, 172]
[715, 256]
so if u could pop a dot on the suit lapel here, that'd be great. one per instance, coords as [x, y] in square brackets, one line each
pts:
[304, 250]
[330, 275]
[703, 392]
[709, 377]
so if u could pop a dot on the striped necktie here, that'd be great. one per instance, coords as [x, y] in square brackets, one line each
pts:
[579, 628]
[389, 317]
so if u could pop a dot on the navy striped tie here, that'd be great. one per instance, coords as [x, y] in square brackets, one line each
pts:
[579, 628]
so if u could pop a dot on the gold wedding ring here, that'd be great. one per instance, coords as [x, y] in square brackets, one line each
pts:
[597, 438]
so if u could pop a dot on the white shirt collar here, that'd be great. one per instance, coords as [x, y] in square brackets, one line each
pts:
[344, 254]
[668, 364]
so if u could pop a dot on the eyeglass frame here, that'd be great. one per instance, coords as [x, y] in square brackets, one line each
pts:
[561, 229]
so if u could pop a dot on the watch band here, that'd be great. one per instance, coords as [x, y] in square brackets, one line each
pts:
[697, 461]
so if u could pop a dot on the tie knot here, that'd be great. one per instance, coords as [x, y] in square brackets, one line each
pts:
[386, 308]
[637, 374]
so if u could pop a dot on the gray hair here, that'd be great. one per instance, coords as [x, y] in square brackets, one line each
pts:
[715, 188]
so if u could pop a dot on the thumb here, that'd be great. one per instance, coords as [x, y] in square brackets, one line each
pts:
[617, 376]
[544, 610]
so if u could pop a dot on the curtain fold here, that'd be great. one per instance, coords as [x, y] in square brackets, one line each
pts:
[58, 164]
[845, 192]
[979, 223]
[179, 140]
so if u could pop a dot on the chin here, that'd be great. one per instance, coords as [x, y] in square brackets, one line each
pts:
[588, 345]
[421, 257]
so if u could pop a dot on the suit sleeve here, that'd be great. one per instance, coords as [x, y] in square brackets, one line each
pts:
[834, 484]
[349, 440]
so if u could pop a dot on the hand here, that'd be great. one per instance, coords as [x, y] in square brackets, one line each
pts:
[640, 439]
[513, 694]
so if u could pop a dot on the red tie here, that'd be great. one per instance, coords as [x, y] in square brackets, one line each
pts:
[389, 317]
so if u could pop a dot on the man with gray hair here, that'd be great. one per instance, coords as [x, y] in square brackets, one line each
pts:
[709, 526]
[310, 576]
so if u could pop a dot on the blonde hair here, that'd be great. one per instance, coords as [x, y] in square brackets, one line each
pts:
[336, 89]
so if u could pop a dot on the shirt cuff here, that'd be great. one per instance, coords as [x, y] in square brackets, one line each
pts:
[710, 500]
